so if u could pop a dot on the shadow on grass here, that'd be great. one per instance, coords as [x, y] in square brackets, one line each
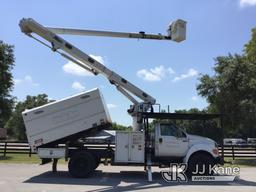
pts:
[5, 157]
[136, 180]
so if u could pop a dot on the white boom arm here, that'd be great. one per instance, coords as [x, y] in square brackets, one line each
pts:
[69, 51]
[176, 32]
[140, 35]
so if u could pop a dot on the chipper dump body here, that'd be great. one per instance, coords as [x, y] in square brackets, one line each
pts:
[64, 118]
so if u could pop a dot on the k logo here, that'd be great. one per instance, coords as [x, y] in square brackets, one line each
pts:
[176, 173]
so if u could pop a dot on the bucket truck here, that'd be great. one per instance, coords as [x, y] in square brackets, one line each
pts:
[75, 120]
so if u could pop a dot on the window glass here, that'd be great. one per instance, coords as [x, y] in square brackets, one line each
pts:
[169, 130]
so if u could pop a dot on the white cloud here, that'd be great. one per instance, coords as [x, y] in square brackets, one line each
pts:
[50, 98]
[194, 98]
[75, 69]
[27, 80]
[191, 73]
[147, 75]
[111, 105]
[98, 58]
[77, 86]
[246, 3]
[17, 81]
[154, 74]
[171, 71]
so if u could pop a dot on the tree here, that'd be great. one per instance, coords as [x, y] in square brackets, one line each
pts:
[6, 82]
[250, 47]
[206, 128]
[119, 127]
[232, 90]
[15, 125]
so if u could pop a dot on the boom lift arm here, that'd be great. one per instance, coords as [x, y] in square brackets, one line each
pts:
[140, 35]
[70, 52]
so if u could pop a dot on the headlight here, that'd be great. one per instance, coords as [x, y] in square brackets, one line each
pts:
[215, 151]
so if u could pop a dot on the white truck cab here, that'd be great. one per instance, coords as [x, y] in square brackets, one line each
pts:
[173, 142]
[170, 140]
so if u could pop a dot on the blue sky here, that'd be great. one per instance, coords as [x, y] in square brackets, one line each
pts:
[166, 70]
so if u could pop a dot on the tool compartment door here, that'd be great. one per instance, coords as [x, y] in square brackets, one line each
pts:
[122, 147]
[129, 147]
[137, 147]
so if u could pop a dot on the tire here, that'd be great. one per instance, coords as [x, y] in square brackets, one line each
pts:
[198, 161]
[97, 163]
[81, 165]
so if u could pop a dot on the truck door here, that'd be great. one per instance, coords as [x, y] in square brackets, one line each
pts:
[170, 141]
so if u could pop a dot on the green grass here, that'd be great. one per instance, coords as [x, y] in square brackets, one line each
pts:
[244, 162]
[19, 158]
[22, 158]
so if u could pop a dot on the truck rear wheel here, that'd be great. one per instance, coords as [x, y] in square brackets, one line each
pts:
[81, 164]
[200, 164]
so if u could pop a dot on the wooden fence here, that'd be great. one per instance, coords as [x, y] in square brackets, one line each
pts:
[239, 151]
[14, 147]
[233, 151]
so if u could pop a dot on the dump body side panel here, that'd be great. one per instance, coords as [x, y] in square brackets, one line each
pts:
[65, 117]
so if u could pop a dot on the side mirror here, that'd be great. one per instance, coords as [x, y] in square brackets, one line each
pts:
[182, 135]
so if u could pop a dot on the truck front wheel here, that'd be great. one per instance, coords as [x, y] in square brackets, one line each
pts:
[200, 164]
[81, 165]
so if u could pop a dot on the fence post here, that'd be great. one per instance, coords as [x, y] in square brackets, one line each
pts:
[233, 153]
[29, 151]
[5, 146]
